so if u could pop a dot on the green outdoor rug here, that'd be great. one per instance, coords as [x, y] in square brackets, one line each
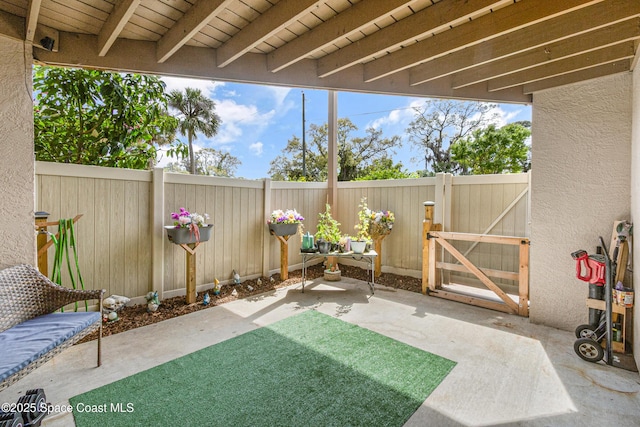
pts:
[308, 369]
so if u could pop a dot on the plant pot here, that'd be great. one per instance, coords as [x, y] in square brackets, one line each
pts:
[323, 246]
[283, 229]
[332, 276]
[181, 236]
[380, 230]
[358, 247]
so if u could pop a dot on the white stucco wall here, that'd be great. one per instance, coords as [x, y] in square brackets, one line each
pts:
[635, 207]
[581, 171]
[17, 237]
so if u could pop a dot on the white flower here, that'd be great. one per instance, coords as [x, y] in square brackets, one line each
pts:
[197, 219]
[184, 220]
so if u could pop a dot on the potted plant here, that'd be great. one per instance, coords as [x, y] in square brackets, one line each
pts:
[188, 227]
[284, 223]
[345, 243]
[328, 231]
[362, 237]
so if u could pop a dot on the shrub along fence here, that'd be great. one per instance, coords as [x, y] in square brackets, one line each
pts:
[123, 245]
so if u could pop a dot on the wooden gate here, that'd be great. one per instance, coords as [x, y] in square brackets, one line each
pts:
[432, 266]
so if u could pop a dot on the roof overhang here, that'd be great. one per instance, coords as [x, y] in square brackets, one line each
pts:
[493, 50]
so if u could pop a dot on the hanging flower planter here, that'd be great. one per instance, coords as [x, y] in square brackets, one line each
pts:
[183, 235]
[283, 229]
[284, 223]
[188, 228]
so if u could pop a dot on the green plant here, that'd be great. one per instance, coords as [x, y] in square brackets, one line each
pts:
[364, 219]
[328, 228]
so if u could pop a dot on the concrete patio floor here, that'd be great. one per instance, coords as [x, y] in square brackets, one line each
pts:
[508, 372]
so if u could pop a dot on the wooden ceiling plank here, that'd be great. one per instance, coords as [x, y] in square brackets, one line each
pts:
[576, 23]
[33, 12]
[578, 76]
[431, 19]
[112, 28]
[626, 31]
[191, 22]
[351, 20]
[486, 27]
[266, 25]
[82, 19]
[576, 63]
[153, 16]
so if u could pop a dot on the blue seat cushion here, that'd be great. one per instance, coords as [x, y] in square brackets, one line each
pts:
[30, 340]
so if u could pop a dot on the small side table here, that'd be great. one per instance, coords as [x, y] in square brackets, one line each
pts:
[368, 258]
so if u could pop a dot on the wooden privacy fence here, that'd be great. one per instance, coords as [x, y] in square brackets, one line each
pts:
[432, 265]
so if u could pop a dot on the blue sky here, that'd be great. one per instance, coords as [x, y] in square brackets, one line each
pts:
[257, 121]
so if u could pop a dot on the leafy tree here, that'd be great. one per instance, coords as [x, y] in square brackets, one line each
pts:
[385, 169]
[196, 114]
[210, 161]
[355, 154]
[438, 124]
[491, 150]
[100, 118]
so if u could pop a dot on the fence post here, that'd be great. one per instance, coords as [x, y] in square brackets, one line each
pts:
[157, 223]
[43, 261]
[266, 260]
[523, 278]
[427, 223]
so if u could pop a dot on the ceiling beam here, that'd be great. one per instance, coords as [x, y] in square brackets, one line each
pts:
[626, 31]
[114, 24]
[486, 27]
[274, 19]
[578, 76]
[634, 63]
[575, 63]
[12, 26]
[186, 27]
[33, 12]
[576, 23]
[435, 18]
[78, 50]
[342, 25]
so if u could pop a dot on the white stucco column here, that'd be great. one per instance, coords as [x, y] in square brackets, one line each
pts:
[580, 179]
[635, 206]
[17, 179]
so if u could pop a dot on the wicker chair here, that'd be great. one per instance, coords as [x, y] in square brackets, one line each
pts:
[27, 296]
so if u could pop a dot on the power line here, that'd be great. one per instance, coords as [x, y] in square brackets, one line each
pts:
[382, 111]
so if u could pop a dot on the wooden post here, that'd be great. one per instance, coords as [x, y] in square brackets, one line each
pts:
[377, 246]
[523, 279]
[43, 240]
[284, 256]
[43, 261]
[191, 274]
[427, 223]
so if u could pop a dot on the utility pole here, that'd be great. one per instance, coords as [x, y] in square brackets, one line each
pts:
[304, 143]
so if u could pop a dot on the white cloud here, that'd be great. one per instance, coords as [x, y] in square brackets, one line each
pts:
[207, 87]
[400, 117]
[503, 117]
[279, 93]
[256, 148]
[235, 117]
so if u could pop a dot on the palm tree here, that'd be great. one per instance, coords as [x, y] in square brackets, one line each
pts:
[196, 115]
